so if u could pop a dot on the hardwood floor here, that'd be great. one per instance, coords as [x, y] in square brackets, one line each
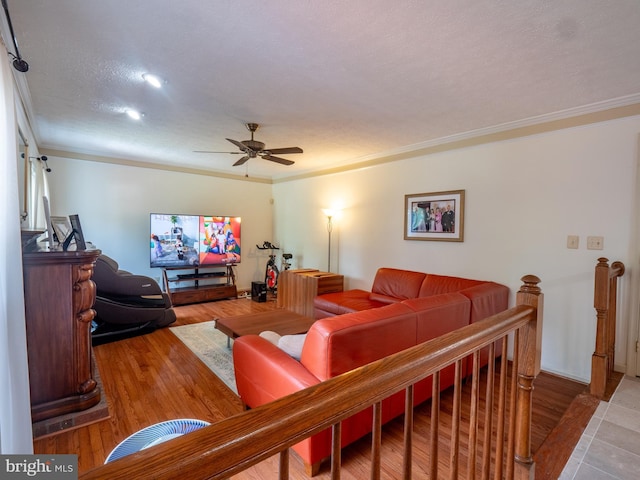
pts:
[154, 377]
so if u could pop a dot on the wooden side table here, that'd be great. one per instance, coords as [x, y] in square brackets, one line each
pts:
[298, 288]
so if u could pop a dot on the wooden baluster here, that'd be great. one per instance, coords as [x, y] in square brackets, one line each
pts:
[511, 442]
[529, 367]
[284, 464]
[376, 441]
[473, 416]
[408, 433]
[502, 401]
[488, 412]
[455, 422]
[336, 461]
[435, 425]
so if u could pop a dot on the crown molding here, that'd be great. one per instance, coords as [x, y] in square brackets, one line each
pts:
[155, 166]
[595, 113]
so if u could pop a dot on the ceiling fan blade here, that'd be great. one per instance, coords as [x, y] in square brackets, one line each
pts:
[209, 151]
[282, 161]
[238, 144]
[242, 161]
[280, 151]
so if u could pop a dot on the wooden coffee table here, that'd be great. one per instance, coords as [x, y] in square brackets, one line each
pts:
[281, 321]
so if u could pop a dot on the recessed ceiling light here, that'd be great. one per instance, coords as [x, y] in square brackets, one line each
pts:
[134, 114]
[152, 80]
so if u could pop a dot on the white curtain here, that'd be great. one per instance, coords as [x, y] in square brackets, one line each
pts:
[15, 411]
[38, 187]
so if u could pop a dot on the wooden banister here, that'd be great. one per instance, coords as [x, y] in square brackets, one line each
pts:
[604, 301]
[232, 445]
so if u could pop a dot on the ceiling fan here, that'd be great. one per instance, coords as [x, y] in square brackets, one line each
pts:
[253, 148]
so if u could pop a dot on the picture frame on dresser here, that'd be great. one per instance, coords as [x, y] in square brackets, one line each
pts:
[437, 216]
[61, 227]
[77, 231]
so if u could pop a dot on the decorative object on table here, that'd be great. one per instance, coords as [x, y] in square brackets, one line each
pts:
[77, 232]
[61, 227]
[47, 216]
[435, 216]
[29, 239]
[154, 435]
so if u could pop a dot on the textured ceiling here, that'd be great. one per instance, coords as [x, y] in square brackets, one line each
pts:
[345, 81]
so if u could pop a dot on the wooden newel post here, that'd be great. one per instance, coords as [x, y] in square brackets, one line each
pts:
[599, 359]
[604, 301]
[529, 353]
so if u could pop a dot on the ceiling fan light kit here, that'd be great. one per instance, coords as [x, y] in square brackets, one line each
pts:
[253, 148]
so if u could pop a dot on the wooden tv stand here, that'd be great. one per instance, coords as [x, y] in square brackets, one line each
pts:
[205, 284]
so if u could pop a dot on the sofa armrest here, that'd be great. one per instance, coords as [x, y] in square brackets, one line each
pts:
[486, 299]
[265, 373]
[338, 303]
[439, 314]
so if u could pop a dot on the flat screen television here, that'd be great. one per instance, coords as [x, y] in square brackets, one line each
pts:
[186, 241]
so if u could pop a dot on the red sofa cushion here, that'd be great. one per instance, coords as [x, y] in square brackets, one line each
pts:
[349, 301]
[339, 344]
[437, 284]
[392, 285]
[439, 314]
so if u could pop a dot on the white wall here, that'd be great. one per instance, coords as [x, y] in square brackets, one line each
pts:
[523, 197]
[114, 203]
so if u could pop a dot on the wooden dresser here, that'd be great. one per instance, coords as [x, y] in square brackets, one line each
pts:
[59, 294]
[298, 288]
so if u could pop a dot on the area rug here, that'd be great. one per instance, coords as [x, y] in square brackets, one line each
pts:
[210, 346]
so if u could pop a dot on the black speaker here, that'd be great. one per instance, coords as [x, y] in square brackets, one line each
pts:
[259, 292]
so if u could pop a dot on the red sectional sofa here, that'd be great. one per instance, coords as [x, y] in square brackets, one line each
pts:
[357, 327]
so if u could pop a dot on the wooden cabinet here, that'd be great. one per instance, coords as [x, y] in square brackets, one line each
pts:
[298, 288]
[59, 294]
[200, 284]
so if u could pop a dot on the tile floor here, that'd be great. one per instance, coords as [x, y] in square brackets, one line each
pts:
[610, 445]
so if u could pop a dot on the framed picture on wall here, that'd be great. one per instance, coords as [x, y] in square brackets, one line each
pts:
[435, 216]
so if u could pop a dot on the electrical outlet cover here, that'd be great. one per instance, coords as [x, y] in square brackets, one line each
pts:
[595, 243]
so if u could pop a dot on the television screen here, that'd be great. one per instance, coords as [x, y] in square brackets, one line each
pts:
[183, 241]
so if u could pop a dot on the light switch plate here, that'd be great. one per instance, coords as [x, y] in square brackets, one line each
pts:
[595, 243]
[573, 241]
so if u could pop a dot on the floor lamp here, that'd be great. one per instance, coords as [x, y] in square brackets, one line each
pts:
[329, 214]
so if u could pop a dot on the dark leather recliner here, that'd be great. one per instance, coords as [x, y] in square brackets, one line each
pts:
[127, 302]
